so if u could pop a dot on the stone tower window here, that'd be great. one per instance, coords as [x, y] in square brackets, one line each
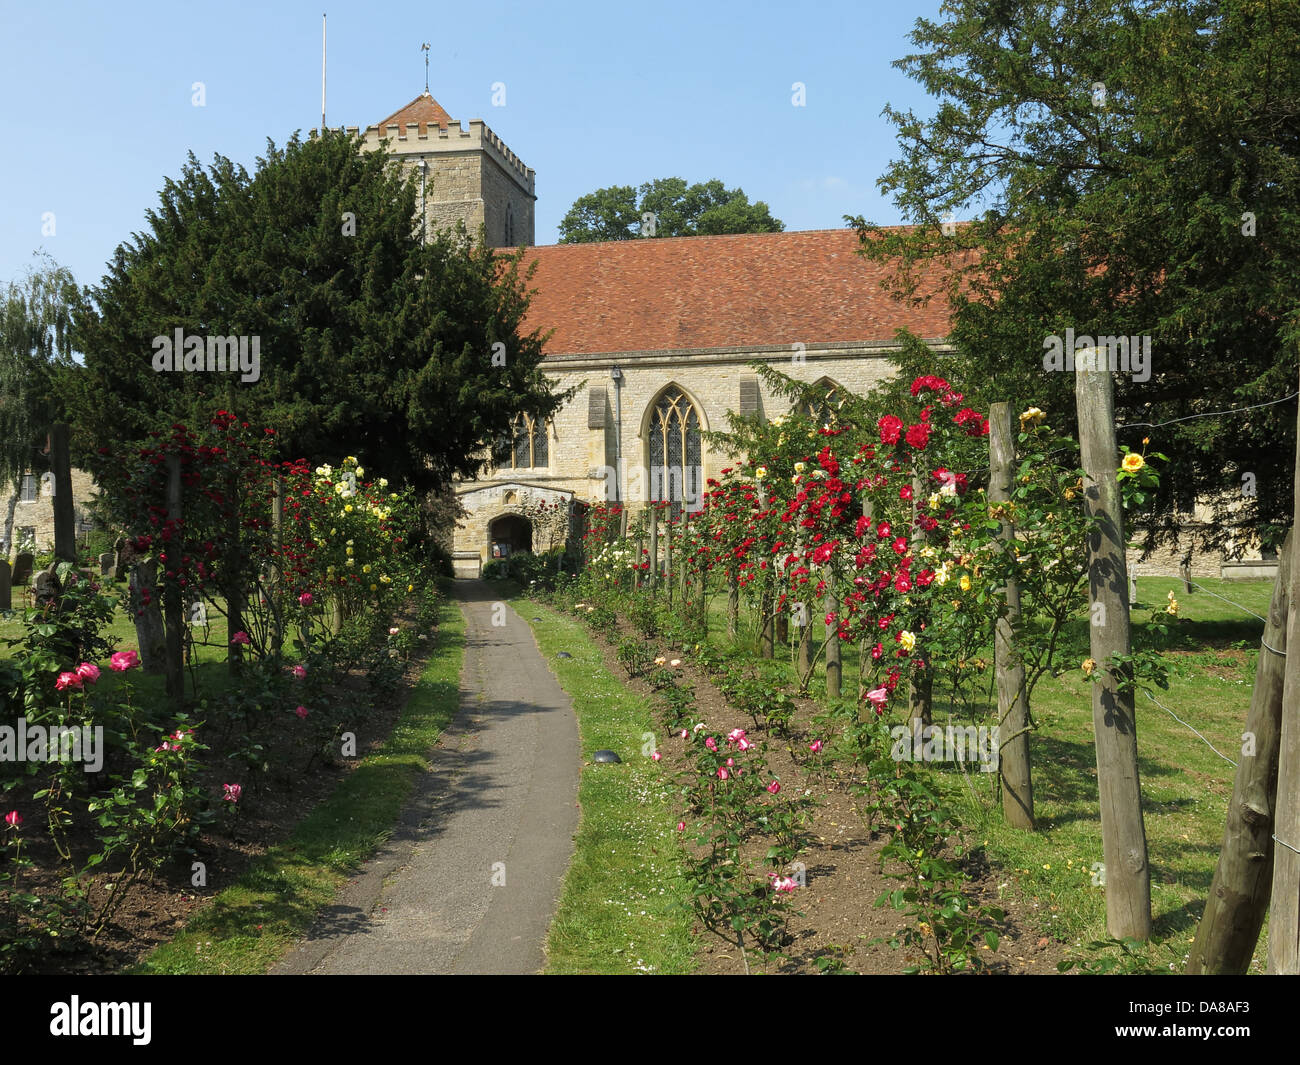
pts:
[824, 404]
[29, 488]
[676, 473]
[526, 447]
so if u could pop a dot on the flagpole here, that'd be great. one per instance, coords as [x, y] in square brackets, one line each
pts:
[322, 75]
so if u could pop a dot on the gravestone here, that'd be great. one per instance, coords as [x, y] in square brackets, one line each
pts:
[46, 587]
[106, 561]
[6, 589]
[23, 569]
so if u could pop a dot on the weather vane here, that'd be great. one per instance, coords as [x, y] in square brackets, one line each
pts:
[425, 49]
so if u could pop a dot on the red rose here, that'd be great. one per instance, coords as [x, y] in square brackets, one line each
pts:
[890, 427]
[918, 436]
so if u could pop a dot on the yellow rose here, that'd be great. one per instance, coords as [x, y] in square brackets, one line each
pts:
[365, 568]
[965, 584]
[799, 467]
[374, 587]
[1088, 666]
[410, 587]
[1172, 608]
[907, 639]
[349, 548]
[1033, 416]
[360, 472]
[347, 509]
[1133, 463]
[760, 472]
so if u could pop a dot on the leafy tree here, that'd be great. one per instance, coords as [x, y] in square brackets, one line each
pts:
[680, 210]
[36, 329]
[1136, 166]
[409, 355]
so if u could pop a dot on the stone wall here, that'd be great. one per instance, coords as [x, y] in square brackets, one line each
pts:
[38, 514]
[473, 177]
[582, 455]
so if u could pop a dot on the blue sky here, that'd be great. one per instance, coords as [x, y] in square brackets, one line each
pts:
[98, 98]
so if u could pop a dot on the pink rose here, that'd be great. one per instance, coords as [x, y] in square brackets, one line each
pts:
[815, 746]
[88, 672]
[681, 826]
[301, 712]
[68, 680]
[300, 672]
[711, 744]
[878, 697]
[233, 791]
[13, 819]
[123, 660]
[774, 787]
[241, 638]
[656, 756]
[722, 773]
[305, 599]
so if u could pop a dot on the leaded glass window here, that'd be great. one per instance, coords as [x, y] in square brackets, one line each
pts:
[676, 473]
[823, 406]
[525, 448]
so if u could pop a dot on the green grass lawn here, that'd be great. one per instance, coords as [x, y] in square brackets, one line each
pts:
[624, 907]
[1185, 785]
[209, 671]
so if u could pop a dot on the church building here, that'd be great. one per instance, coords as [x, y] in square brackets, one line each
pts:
[658, 333]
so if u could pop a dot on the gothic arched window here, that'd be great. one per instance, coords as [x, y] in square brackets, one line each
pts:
[525, 448]
[824, 403]
[676, 473]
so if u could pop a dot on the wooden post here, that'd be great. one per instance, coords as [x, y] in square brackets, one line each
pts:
[804, 617]
[654, 547]
[834, 667]
[234, 589]
[65, 527]
[1284, 905]
[276, 583]
[1013, 708]
[1124, 843]
[1185, 573]
[668, 558]
[1238, 897]
[920, 690]
[733, 604]
[173, 608]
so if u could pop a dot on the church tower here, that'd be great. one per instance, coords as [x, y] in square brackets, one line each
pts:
[469, 175]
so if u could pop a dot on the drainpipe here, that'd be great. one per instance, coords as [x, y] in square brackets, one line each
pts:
[617, 375]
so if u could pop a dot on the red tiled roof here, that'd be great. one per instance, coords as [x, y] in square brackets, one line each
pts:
[740, 290]
[424, 110]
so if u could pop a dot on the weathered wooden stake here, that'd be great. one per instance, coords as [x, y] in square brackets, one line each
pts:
[834, 667]
[1238, 897]
[1114, 722]
[1013, 707]
[1284, 905]
[173, 607]
[921, 688]
[654, 548]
